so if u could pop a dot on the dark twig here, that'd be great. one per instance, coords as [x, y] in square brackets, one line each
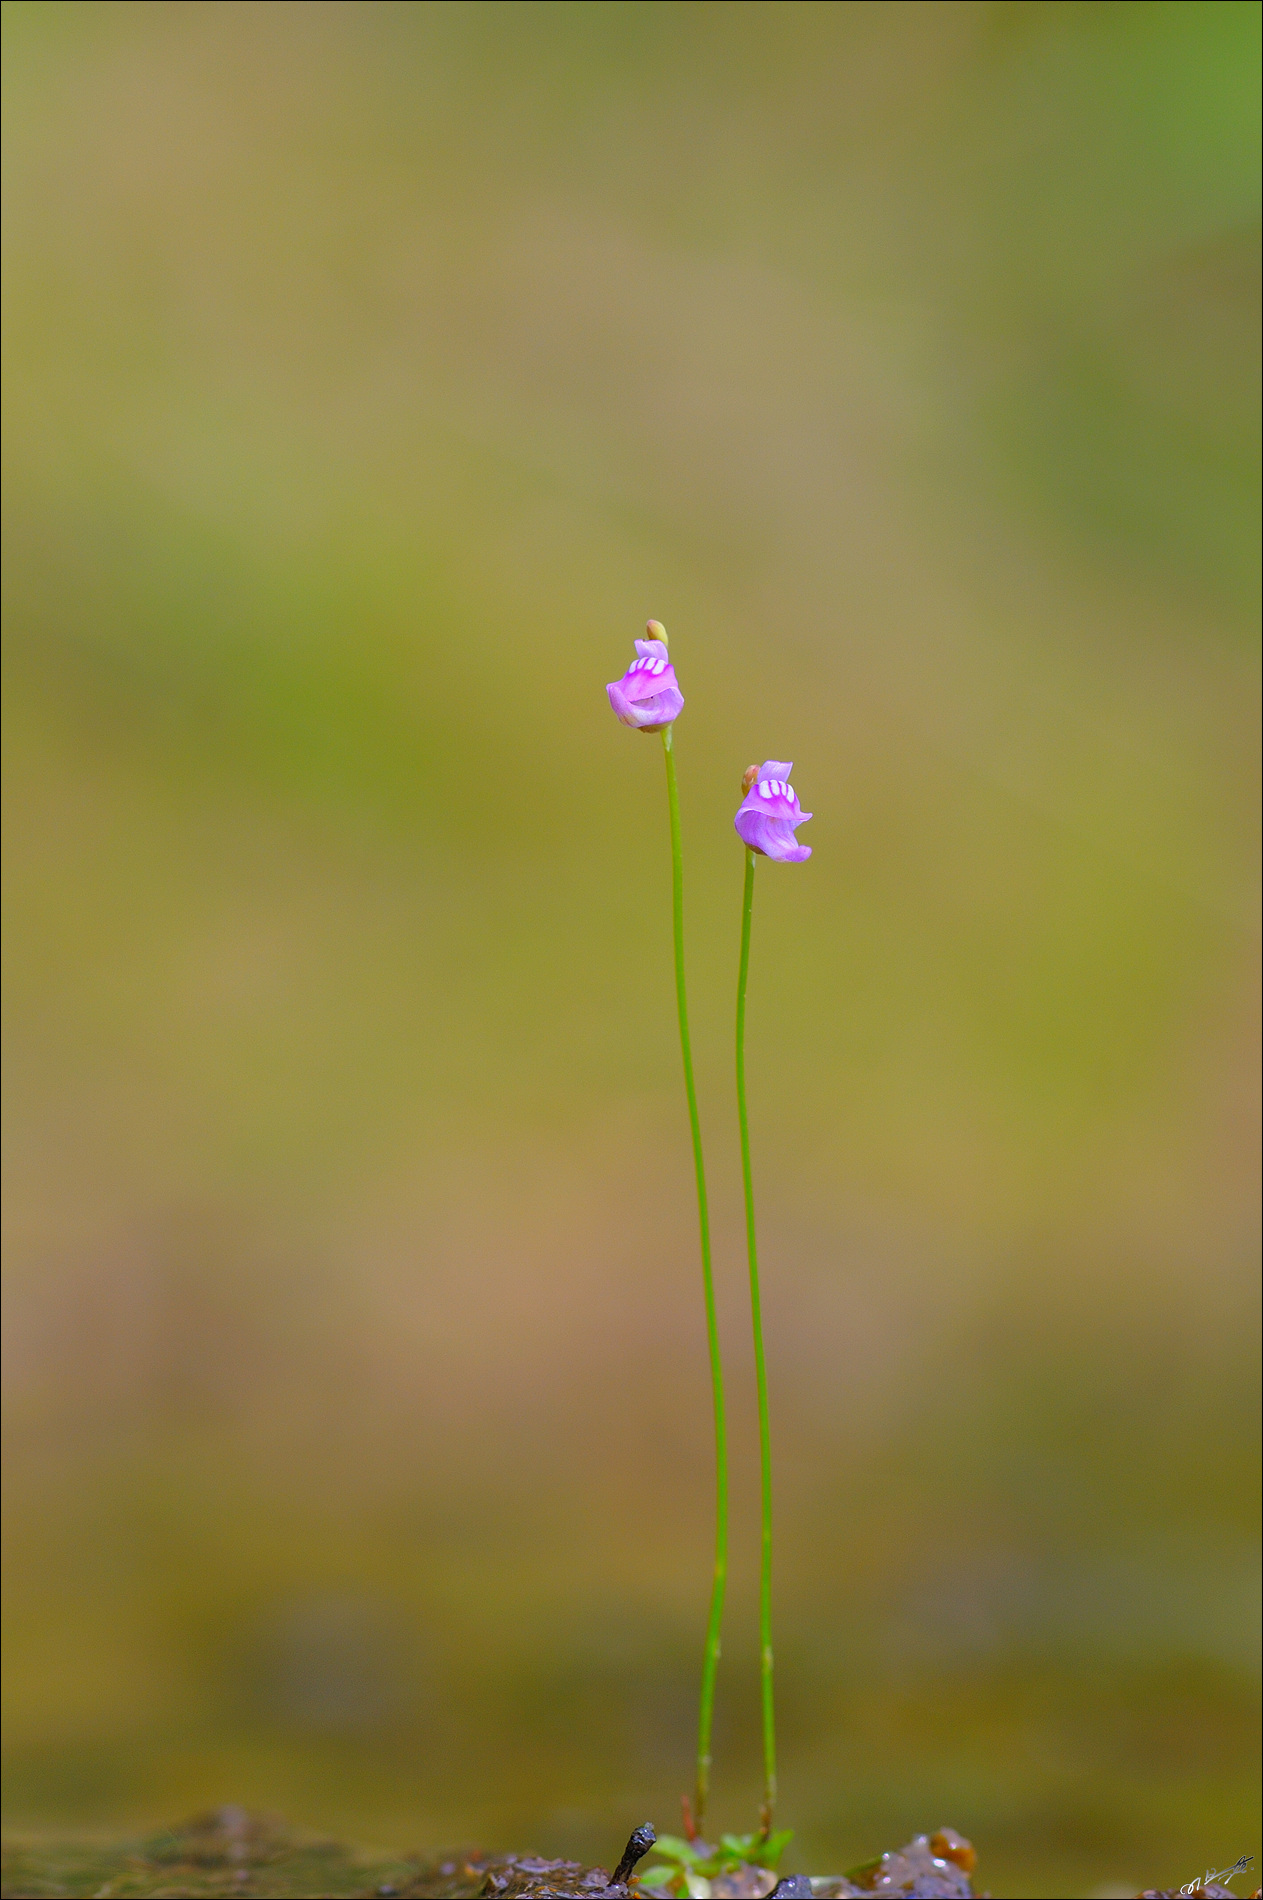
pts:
[641, 1840]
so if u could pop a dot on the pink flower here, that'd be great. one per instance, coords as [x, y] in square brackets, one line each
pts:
[648, 696]
[770, 812]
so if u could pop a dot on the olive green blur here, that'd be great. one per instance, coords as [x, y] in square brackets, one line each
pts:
[373, 372]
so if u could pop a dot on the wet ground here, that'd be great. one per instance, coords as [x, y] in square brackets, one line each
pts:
[231, 1851]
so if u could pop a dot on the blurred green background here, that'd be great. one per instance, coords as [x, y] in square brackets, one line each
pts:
[373, 371]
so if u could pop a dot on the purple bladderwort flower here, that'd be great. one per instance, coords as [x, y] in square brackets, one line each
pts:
[648, 696]
[770, 812]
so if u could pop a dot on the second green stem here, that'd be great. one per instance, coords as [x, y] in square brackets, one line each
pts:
[760, 1373]
[710, 1660]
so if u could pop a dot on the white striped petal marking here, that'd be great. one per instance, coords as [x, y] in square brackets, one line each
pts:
[775, 788]
[653, 664]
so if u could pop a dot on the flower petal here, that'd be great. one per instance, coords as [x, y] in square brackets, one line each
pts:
[773, 837]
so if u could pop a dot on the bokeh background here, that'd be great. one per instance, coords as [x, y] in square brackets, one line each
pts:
[374, 371]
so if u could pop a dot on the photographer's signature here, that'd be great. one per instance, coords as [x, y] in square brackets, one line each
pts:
[1221, 1878]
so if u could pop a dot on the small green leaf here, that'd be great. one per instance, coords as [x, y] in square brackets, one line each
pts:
[671, 1847]
[669, 1877]
[767, 1853]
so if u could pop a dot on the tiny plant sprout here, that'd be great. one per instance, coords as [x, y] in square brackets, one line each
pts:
[685, 1868]
[648, 699]
[766, 823]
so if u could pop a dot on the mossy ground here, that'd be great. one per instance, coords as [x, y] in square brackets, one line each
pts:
[205, 1857]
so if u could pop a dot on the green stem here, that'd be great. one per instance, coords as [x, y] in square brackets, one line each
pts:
[710, 1659]
[760, 1372]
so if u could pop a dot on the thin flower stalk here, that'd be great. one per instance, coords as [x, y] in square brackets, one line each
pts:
[710, 1657]
[760, 1375]
[766, 823]
[648, 699]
